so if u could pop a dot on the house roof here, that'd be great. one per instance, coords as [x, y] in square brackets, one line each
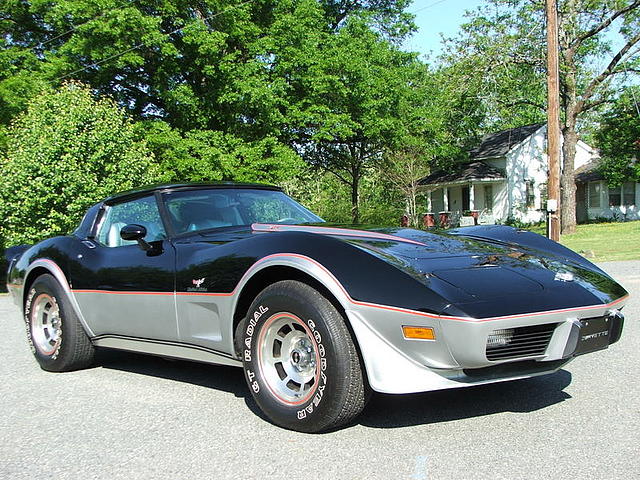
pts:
[588, 172]
[498, 144]
[466, 172]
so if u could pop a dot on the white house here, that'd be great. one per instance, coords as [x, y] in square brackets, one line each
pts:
[506, 177]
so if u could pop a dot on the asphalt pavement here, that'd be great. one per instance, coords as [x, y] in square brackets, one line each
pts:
[139, 417]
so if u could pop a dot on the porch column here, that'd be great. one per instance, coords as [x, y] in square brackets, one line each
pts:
[445, 198]
[429, 204]
[472, 205]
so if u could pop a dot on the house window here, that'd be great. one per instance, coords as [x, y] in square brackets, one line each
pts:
[615, 196]
[488, 197]
[531, 195]
[594, 194]
[629, 193]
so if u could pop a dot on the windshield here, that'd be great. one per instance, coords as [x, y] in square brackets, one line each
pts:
[195, 210]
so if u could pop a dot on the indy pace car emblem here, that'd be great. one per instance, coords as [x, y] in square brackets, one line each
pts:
[197, 285]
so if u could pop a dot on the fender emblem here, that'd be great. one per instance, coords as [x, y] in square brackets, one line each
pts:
[197, 285]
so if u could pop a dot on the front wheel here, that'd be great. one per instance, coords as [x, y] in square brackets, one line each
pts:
[299, 359]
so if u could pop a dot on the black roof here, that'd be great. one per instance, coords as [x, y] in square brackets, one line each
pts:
[186, 186]
[588, 172]
[469, 171]
[498, 144]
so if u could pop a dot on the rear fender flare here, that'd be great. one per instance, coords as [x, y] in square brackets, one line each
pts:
[54, 269]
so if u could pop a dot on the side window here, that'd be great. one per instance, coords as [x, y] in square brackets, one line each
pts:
[488, 197]
[594, 194]
[142, 211]
[531, 195]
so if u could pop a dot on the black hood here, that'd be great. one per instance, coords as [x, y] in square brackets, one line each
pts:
[475, 266]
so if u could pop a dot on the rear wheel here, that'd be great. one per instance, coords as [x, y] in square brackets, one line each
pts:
[299, 359]
[55, 334]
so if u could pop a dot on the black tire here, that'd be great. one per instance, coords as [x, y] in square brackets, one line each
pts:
[321, 361]
[61, 345]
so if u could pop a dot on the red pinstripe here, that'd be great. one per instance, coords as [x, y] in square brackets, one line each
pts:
[364, 304]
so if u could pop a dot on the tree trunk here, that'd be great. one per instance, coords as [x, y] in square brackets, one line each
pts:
[567, 179]
[414, 221]
[355, 212]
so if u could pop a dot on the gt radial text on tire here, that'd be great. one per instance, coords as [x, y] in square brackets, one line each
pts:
[56, 336]
[300, 361]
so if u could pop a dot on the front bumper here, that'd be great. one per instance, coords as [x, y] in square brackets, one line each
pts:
[458, 355]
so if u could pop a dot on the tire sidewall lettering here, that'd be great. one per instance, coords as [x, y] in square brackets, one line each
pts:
[252, 321]
[322, 380]
[27, 319]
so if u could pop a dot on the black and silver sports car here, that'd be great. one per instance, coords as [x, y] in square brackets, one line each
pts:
[316, 315]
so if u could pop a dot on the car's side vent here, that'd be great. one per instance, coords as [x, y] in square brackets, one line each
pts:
[519, 342]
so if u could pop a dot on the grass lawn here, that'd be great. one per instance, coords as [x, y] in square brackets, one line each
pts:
[608, 241]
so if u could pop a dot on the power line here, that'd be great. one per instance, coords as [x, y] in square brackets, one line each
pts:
[428, 6]
[135, 47]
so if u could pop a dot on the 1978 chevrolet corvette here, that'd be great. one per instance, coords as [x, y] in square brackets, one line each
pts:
[316, 315]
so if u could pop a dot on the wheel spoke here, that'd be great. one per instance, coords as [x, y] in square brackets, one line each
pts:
[288, 356]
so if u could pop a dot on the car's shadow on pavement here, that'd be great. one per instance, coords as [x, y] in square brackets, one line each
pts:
[383, 411]
[218, 377]
[521, 396]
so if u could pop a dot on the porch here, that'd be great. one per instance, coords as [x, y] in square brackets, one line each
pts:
[474, 195]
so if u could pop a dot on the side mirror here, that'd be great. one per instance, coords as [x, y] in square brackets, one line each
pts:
[134, 232]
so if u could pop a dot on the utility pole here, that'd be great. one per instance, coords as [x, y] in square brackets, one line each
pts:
[553, 123]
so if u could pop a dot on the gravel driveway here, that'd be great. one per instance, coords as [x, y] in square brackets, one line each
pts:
[142, 417]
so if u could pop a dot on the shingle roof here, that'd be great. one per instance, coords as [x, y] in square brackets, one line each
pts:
[588, 172]
[467, 172]
[498, 144]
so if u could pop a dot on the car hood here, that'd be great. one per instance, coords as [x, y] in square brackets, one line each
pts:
[475, 266]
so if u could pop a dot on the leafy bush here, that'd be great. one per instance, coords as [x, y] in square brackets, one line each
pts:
[67, 151]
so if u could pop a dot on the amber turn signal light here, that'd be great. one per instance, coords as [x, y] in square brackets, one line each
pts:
[418, 333]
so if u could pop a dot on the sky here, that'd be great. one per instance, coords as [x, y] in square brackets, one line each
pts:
[434, 17]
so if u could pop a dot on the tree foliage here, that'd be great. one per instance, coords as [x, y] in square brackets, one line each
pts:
[210, 64]
[206, 155]
[618, 139]
[67, 151]
[356, 99]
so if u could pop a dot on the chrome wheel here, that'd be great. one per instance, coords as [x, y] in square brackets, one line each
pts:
[288, 358]
[46, 324]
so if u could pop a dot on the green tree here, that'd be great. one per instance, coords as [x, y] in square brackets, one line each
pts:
[353, 100]
[403, 169]
[67, 151]
[501, 58]
[205, 155]
[618, 139]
